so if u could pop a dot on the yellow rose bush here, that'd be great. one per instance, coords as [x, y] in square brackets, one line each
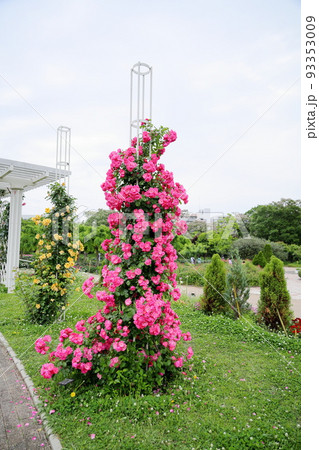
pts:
[46, 295]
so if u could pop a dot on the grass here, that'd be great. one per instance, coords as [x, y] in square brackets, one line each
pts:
[241, 391]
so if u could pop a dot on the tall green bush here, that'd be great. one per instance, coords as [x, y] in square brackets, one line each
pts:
[259, 259]
[213, 300]
[237, 288]
[267, 251]
[274, 302]
[249, 247]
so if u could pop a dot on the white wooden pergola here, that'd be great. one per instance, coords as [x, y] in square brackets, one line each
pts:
[15, 178]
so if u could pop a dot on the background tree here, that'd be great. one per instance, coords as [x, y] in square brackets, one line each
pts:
[277, 221]
[274, 303]
[97, 218]
[213, 300]
[237, 287]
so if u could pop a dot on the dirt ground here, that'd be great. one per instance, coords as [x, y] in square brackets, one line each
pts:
[293, 285]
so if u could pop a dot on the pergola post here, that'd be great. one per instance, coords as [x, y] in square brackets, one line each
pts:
[14, 236]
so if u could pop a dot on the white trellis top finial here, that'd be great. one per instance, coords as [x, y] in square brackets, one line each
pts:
[63, 155]
[141, 97]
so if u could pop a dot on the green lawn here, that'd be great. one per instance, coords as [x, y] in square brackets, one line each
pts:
[242, 390]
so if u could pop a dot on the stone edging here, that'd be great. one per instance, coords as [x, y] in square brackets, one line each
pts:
[52, 438]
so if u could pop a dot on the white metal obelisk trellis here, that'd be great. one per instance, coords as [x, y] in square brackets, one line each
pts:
[141, 102]
[63, 149]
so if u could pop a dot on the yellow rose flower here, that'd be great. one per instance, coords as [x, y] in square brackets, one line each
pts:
[58, 266]
[37, 236]
[47, 210]
[38, 306]
[40, 242]
[46, 222]
[36, 281]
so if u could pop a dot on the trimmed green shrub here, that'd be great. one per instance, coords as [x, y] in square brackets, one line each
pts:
[274, 302]
[213, 300]
[259, 259]
[248, 247]
[237, 289]
[267, 251]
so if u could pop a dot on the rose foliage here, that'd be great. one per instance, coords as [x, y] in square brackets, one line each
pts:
[132, 342]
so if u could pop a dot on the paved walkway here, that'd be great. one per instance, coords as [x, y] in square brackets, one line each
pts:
[293, 285]
[20, 424]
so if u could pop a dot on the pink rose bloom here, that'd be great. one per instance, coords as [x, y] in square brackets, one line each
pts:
[87, 287]
[130, 274]
[80, 325]
[108, 325]
[41, 346]
[115, 259]
[155, 329]
[76, 338]
[179, 362]
[114, 362]
[147, 176]
[48, 370]
[64, 334]
[128, 302]
[146, 136]
[119, 346]
[190, 353]
[105, 244]
[85, 367]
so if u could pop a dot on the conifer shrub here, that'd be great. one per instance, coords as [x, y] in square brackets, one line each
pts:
[237, 288]
[274, 307]
[213, 300]
[259, 259]
[267, 251]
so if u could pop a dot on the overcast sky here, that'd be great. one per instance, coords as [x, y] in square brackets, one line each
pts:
[226, 78]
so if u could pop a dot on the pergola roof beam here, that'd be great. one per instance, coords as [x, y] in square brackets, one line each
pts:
[6, 171]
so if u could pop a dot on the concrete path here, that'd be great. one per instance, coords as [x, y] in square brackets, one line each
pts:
[293, 285]
[21, 427]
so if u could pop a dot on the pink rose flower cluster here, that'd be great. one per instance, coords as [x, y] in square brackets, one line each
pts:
[139, 276]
